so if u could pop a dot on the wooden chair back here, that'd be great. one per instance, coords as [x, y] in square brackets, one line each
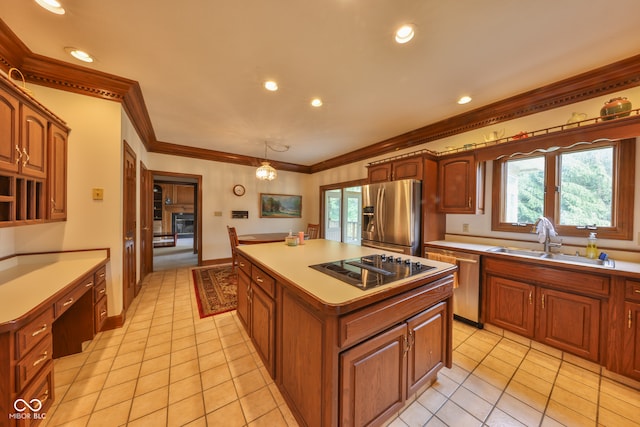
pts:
[233, 241]
[313, 231]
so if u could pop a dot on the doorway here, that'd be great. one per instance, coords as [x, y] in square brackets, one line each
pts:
[176, 220]
[342, 212]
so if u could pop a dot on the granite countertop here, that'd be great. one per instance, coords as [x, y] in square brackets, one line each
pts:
[292, 263]
[26, 281]
[620, 268]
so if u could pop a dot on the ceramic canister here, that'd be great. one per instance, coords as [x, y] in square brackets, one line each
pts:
[616, 108]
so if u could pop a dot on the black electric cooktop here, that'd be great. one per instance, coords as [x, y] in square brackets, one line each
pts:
[372, 270]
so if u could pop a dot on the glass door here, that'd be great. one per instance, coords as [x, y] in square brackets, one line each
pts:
[343, 213]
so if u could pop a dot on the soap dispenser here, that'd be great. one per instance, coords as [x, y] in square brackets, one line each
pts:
[592, 248]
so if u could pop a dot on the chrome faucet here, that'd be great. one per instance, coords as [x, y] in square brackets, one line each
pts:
[545, 230]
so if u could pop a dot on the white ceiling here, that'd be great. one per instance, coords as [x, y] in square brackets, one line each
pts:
[201, 63]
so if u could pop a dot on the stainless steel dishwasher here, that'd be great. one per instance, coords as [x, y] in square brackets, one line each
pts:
[466, 297]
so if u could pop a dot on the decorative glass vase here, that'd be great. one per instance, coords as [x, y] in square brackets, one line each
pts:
[615, 108]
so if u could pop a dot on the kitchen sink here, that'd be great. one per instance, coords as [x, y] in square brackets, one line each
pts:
[518, 251]
[552, 256]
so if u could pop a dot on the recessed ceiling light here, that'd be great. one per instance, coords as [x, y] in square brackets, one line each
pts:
[464, 100]
[316, 102]
[405, 33]
[52, 6]
[80, 55]
[271, 85]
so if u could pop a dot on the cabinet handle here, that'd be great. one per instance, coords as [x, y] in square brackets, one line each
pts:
[68, 302]
[44, 397]
[102, 291]
[469, 201]
[44, 357]
[19, 154]
[39, 331]
[88, 285]
[637, 291]
[259, 279]
[24, 162]
[241, 264]
[542, 300]
[102, 275]
[103, 313]
[530, 298]
[629, 318]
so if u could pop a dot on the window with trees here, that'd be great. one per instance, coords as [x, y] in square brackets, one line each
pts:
[582, 188]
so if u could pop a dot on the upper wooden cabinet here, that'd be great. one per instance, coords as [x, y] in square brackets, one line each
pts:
[461, 185]
[33, 160]
[409, 168]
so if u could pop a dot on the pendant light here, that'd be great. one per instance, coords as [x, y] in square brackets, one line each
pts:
[266, 172]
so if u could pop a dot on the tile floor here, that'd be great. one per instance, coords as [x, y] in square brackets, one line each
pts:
[167, 366]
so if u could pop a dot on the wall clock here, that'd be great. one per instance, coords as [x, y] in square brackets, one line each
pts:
[238, 190]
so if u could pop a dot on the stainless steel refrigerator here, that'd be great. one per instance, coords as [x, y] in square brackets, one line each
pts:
[391, 216]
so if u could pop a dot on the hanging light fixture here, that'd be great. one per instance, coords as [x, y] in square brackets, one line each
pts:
[266, 172]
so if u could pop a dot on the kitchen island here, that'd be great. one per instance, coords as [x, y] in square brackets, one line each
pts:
[341, 355]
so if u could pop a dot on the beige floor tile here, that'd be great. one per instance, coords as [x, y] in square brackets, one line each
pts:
[220, 395]
[432, 399]
[500, 366]
[184, 370]
[65, 377]
[151, 352]
[538, 371]
[184, 323]
[229, 415]
[127, 359]
[499, 418]
[114, 395]
[272, 418]
[472, 352]
[453, 415]
[567, 417]
[579, 375]
[148, 403]
[456, 373]
[153, 381]
[211, 360]
[574, 402]
[249, 382]
[93, 369]
[184, 332]
[157, 418]
[182, 343]
[526, 394]
[621, 406]
[122, 375]
[445, 386]
[258, 403]
[185, 355]
[86, 386]
[186, 411]
[472, 403]
[517, 338]
[465, 362]
[482, 388]
[237, 351]
[242, 365]
[533, 382]
[231, 340]
[577, 387]
[115, 415]
[519, 410]
[70, 362]
[494, 378]
[73, 409]
[184, 388]
[606, 417]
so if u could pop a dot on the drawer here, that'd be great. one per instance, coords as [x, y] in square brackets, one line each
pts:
[30, 334]
[64, 303]
[100, 314]
[100, 275]
[99, 290]
[244, 265]
[262, 279]
[33, 362]
[632, 290]
[41, 389]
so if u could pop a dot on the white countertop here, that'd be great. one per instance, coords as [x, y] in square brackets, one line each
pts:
[26, 281]
[620, 266]
[292, 263]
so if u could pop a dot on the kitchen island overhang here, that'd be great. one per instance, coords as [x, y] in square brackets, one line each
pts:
[327, 344]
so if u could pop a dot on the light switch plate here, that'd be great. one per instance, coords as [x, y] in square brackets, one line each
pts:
[465, 228]
[98, 193]
[217, 213]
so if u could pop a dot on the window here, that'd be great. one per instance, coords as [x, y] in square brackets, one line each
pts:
[580, 189]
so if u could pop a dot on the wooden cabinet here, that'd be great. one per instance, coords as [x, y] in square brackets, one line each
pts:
[256, 309]
[631, 330]
[100, 299]
[510, 305]
[33, 150]
[409, 168]
[563, 309]
[461, 185]
[57, 197]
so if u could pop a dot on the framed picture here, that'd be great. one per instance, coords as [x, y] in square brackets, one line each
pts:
[280, 206]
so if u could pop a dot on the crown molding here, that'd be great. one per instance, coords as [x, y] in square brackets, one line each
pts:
[61, 75]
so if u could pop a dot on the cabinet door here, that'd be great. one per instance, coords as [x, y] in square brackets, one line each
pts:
[57, 173]
[570, 322]
[34, 143]
[511, 305]
[9, 134]
[263, 314]
[407, 169]
[631, 335]
[458, 185]
[373, 378]
[244, 287]
[380, 173]
[428, 345]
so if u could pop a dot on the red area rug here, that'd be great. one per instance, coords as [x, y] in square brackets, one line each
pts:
[216, 289]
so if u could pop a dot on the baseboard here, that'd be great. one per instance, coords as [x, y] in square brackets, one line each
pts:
[113, 322]
[216, 261]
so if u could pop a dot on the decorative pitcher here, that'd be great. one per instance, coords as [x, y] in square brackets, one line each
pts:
[575, 118]
[494, 135]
